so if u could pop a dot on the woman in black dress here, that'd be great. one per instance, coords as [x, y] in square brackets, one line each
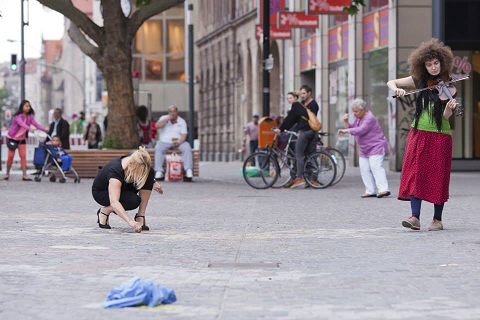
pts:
[125, 184]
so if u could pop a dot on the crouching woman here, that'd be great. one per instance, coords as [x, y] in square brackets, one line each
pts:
[125, 184]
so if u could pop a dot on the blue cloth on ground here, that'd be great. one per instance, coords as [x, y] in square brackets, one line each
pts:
[136, 292]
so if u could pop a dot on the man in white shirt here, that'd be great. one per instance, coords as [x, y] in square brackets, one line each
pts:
[173, 135]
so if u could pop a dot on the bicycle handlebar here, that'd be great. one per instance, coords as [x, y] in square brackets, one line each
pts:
[287, 131]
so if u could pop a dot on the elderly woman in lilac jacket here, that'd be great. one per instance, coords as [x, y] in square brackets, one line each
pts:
[18, 133]
[372, 148]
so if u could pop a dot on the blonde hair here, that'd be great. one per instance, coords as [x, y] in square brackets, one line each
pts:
[294, 93]
[138, 168]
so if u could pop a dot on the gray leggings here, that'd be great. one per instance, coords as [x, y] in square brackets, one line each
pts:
[306, 144]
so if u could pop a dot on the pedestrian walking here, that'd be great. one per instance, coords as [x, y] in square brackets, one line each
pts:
[93, 133]
[125, 184]
[428, 153]
[17, 136]
[372, 148]
[251, 130]
[307, 137]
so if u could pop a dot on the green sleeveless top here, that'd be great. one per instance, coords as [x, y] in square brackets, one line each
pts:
[427, 123]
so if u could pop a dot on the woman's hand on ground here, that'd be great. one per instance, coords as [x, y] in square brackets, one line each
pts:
[400, 92]
[137, 226]
[157, 187]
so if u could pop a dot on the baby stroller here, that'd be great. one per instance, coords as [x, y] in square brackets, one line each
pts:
[43, 157]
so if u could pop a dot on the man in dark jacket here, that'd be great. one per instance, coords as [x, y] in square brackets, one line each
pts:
[60, 127]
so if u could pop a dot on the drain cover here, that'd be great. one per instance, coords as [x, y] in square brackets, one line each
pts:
[258, 265]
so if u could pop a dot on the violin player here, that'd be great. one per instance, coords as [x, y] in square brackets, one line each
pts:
[428, 153]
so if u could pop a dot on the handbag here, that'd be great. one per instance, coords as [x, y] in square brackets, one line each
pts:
[313, 121]
[12, 144]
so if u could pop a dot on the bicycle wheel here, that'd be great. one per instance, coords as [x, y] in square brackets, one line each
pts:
[320, 170]
[260, 170]
[339, 160]
[287, 172]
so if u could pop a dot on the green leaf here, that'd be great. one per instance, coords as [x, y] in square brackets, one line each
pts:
[142, 3]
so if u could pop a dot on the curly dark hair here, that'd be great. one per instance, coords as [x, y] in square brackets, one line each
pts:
[432, 49]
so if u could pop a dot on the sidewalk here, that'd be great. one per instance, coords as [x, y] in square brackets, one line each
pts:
[233, 252]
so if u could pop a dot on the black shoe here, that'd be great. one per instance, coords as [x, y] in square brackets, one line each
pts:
[144, 227]
[385, 194]
[103, 226]
[27, 179]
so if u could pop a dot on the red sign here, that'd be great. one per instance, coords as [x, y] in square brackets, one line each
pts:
[327, 6]
[275, 33]
[375, 30]
[275, 7]
[308, 56]
[297, 20]
[338, 42]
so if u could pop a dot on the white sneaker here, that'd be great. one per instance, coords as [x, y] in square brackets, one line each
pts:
[159, 175]
[189, 173]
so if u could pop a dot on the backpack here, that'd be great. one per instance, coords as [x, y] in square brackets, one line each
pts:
[313, 121]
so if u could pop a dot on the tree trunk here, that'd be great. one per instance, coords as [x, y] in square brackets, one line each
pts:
[121, 113]
[122, 122]
[116, 69]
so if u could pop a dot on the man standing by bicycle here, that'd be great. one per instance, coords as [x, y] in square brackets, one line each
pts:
[307, 138]
[251, 129]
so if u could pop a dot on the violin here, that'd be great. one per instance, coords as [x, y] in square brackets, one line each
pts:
[443, 85]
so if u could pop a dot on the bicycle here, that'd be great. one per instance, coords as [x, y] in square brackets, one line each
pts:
[262, 169]
[336, 154]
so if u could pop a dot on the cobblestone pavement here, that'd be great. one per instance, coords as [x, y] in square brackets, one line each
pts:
[339, 256]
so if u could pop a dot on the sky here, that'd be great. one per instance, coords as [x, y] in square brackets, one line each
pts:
[42, 21]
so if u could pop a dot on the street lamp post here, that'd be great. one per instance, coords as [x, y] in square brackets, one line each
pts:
[191, 91]
[22, 61]
[266, 54]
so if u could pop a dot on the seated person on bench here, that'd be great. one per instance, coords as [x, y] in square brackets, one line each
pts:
[59, 154]
[173, 133]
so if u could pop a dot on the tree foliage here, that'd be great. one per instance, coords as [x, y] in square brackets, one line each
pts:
[355, 7]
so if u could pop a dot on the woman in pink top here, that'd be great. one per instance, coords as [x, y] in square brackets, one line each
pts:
[372, 148]
[18, 133]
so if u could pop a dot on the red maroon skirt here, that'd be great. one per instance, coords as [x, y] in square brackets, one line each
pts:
[426, 167]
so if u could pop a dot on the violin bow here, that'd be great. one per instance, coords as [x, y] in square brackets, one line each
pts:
[433, 87]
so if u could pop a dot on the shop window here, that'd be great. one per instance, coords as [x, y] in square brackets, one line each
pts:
[159, 46]
[154, 68]
[376, 67]
[176, 36]
[176, 68]
[153, 37]
[338, 102]
[377, 4]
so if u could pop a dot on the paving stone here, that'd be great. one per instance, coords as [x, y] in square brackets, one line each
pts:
[339, 256]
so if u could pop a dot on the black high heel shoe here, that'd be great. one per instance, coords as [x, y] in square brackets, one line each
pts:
[103, 226]
[144, 227]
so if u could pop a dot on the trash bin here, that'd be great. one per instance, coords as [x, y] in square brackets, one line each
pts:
[265, 133]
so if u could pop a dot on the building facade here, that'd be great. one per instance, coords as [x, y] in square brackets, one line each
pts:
[230, 73]
[347, 57]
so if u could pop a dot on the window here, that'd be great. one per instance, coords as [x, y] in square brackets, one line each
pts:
[159, 47]
[377, 4]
